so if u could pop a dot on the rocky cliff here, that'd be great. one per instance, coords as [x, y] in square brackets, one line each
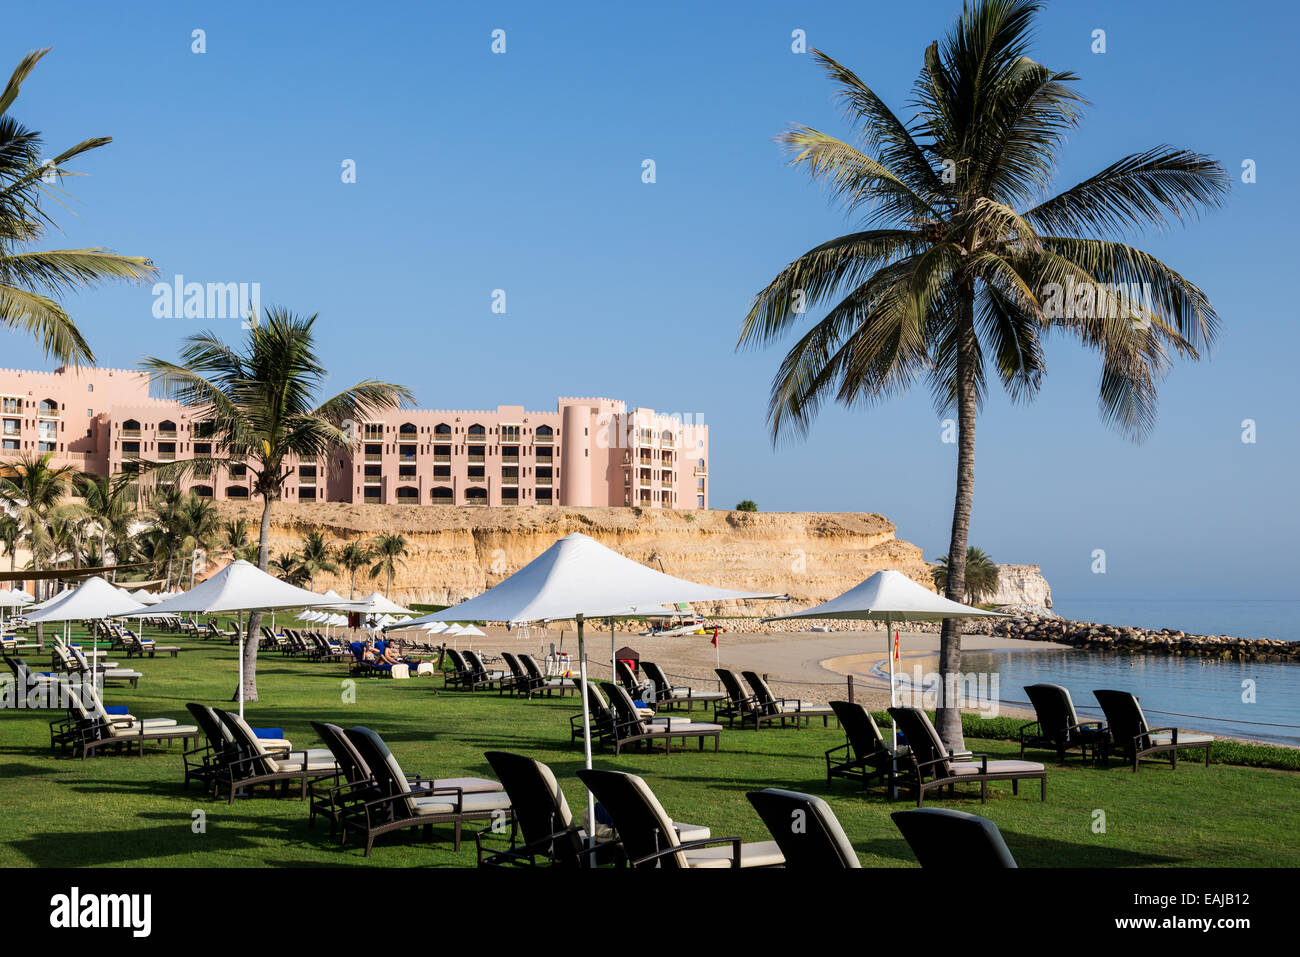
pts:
[1022, 585]
[456, 553]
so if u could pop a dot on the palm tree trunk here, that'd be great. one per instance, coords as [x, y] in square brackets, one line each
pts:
[388, 581]
[948, 715]
[255, 618]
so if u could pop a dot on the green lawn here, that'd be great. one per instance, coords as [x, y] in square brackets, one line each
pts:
[125, 811]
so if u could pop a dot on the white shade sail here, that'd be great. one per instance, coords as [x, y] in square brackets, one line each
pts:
[9, 599]
[240, 586]
[471, 632]
[93, 598]
[373, 604]
[145, 597]
[579, 576]
[890, 596]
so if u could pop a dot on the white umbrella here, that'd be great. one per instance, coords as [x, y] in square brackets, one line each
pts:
[93, 598]
[10, 600]
[145, 597]
[432, 627]
[577, 577]
[239, 586]
[472, 632]
[890, 596]
[373, 604]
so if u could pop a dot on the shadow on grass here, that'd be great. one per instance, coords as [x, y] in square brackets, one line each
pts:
[26, 770]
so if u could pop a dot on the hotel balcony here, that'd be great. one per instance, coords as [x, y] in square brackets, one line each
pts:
[510, 459]
[166, 433]
[47, 413]
[406, 457]
[667, 444]
[441, 458]
[543, 440]
[166, 456]
[130, 433]
[374, 458]
[477, 459]
[544, 482]
[372, 433]
[408, 479]
[701, 470]
[373, 480]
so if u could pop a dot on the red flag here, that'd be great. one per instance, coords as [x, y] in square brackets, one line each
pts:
[895, 646]
[715, 636]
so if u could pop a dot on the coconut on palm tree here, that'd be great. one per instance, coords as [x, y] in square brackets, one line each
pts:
[981, 575]
[353, 556]
[387, 552]
[261, 406]
[32, 280]
[961, 262]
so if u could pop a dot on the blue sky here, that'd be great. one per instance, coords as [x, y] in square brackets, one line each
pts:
[522, 172]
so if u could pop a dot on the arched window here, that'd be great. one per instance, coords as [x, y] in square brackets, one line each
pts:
[49, 407]
[545, 430]
[476, 494]
[442, 496]
[666, 435]
[406, 429]
[476, 432]
[131, 425]
[442, 428]
[236, 491]
[408, 496]
[203, 491]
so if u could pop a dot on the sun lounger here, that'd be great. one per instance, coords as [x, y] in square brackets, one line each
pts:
[1058, 727]
[768, 707]
[401, 805]
[632, 726]
[668, 695]
[945, 839]
[544, 829]
[638, 689]
[806, 830]
[739, 702]
[545, 684]
[107, 671]
[865, 755]
[90, 728]
[649, 839]
[930, 765]
[259, 761]
[1132, 737]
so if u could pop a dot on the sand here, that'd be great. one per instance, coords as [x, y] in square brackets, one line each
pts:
[810, 666]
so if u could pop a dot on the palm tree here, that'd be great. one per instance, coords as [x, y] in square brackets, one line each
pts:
[235, 538]
[387, 551]
[317, 556]
[10, 533]
[262, 407]
[110, 506]
[981, 575]
[959, 267]
[289, 567]
[31, 281]
[200, 528]
[33, 492]
[353, 556]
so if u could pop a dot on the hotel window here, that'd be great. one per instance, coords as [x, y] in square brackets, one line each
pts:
[11, 406]
[374, 471]
[406, 471]
[442, 496]
[238, 471]
[442, 471]
[509, 433]
[90, 413]
[130, 468]
[307, 473]
[12, 426]
[510, 496]
[203, 430]
[476, 452]
[406, 453]
[477, 472]
[10, 445]
[236, 491]
[510, 454]
[202, 448]
[700, 503]
[91, 387]
[46, 432]
[543, 496]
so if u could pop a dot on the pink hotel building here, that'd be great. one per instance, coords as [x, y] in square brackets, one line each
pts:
[586, 452]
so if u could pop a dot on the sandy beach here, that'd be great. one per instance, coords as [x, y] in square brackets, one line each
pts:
[811, 666]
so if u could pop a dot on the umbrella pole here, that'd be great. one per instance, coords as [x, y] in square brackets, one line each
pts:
[613, 665]
[889, 650]
[586, 730]
[241, 673]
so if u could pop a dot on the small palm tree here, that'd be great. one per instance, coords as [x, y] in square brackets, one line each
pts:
[263, 410]
[10, 533]
[959, 269]
[110, 506]
[30, 280]
[388, 551]
[289, 567]
[981, 575]
[353, 556]
[32, 491]
[317, 556]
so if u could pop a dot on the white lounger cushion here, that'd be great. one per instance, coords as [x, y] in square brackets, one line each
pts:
[1184, 737]
[757, 854]
[693, 726]
[170, 727]
[996, 767]
[804, 707]
[478, 802]
[668, 722]
[318, 759]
